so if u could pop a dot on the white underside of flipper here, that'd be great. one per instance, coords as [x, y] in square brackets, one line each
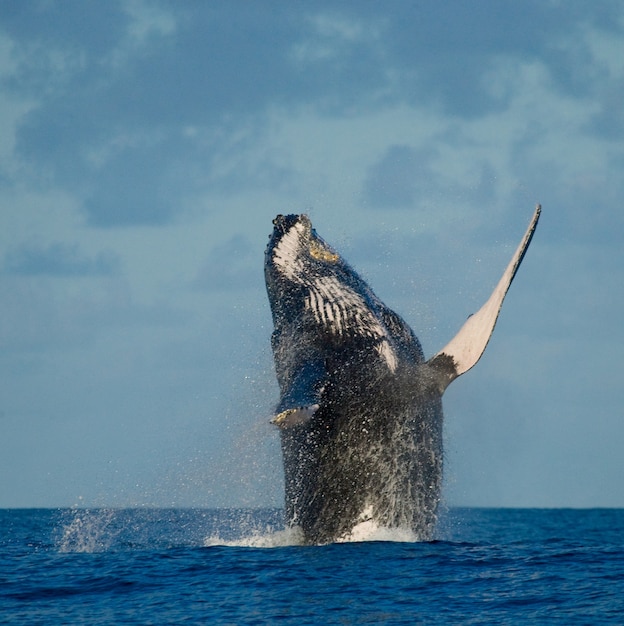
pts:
[466, 348]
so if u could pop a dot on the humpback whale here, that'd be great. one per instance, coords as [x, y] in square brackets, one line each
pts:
[360, 409]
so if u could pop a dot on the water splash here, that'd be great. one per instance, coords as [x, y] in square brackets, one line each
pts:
[101, 530]
[87, 531]
[269, 539]
[371, 531]
[362, 532]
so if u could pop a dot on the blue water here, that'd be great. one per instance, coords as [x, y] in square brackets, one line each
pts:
[146, 566]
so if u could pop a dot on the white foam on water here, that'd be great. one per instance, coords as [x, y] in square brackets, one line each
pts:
[369, 530]
[271, 539]
[362, 532]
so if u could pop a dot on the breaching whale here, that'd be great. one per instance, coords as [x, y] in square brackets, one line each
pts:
[360, 409]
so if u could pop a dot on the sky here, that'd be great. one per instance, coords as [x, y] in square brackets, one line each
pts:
[145, 148]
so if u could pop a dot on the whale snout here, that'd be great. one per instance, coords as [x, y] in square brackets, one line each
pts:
[283, 223]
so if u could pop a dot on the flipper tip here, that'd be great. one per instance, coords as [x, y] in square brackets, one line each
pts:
[294, 417]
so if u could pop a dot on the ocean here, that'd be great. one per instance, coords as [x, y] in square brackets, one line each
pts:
[179, 566]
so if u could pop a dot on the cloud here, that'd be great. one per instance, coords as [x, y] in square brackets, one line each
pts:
[409, 177]
[608, 122]
[135, 186]
[42, 315]
[129, 101]
[398, 176]
[59, 259]
[64, 24]
[230, 266]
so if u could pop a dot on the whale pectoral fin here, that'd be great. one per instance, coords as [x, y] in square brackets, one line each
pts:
[466, 348]
[296, 416]
[301, 386]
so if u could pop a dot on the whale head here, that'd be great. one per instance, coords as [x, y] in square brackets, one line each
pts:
[316, 293]
[295, 251]
[302, 271]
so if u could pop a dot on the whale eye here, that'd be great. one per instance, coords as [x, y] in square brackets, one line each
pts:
[320, 252]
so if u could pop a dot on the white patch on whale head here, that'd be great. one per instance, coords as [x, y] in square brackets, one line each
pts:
[286, 254]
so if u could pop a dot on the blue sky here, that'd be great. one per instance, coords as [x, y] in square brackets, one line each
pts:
[145, 148]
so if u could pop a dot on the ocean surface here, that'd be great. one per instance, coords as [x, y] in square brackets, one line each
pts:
[153, 566]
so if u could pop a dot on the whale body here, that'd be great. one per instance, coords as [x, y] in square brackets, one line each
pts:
[360, 410]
